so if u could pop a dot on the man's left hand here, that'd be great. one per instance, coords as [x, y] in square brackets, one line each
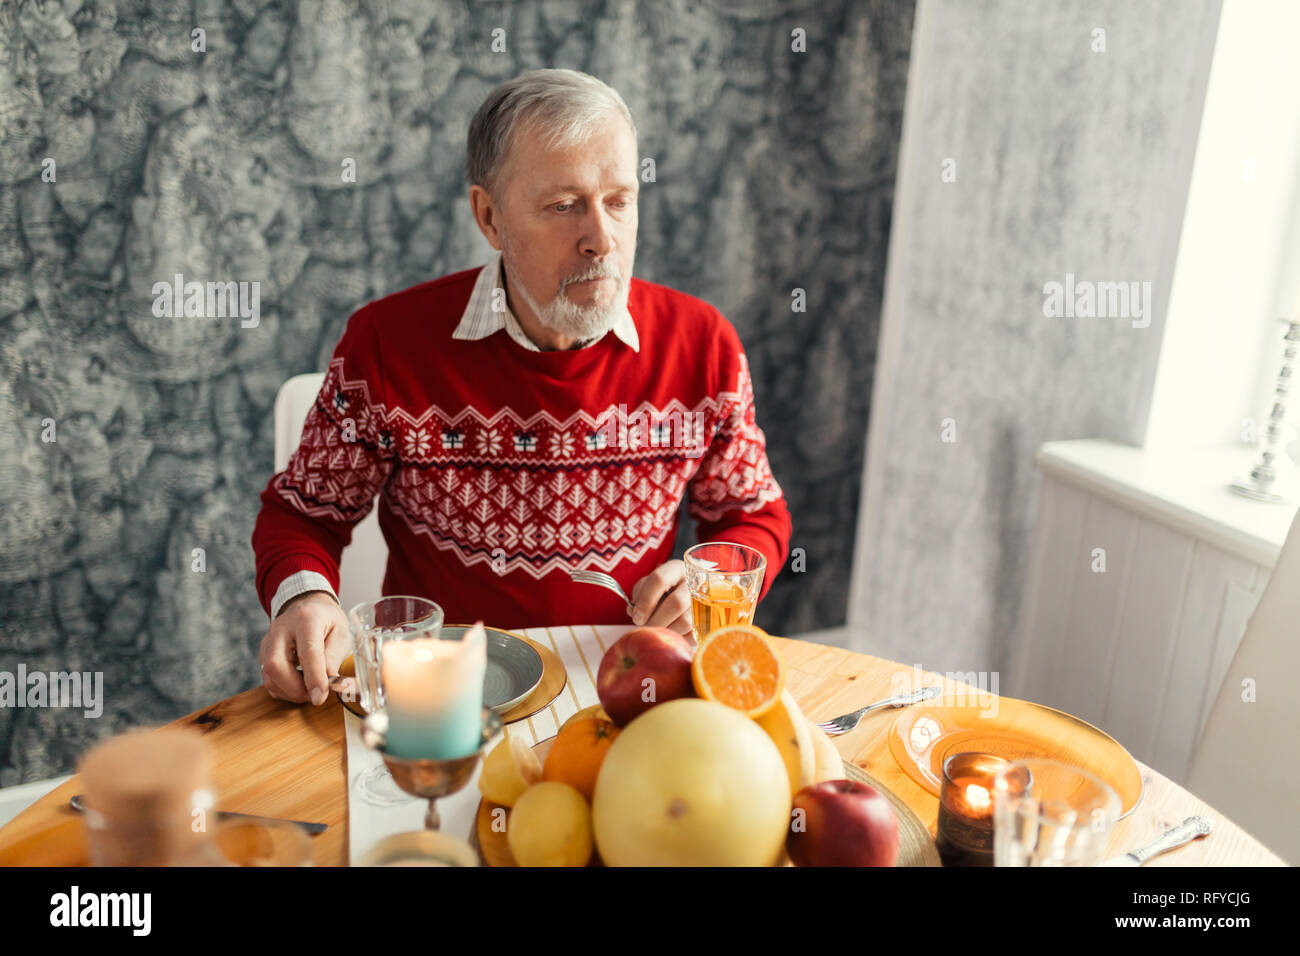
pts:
[660, 599]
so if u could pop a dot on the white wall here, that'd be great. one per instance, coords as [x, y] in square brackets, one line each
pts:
[1068, 160]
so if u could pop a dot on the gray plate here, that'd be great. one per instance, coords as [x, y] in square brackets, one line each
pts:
[513, 668]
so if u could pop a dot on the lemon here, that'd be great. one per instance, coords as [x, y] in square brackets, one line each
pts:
[550, 825]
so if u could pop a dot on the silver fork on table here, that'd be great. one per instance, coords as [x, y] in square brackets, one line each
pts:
[847, 722]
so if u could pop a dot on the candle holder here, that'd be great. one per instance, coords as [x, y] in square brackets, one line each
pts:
[964, 836]
[371, 624]
[429, 779]
[420, 848]
[1258, 483]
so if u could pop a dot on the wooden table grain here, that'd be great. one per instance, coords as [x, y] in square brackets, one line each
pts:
[288, 760]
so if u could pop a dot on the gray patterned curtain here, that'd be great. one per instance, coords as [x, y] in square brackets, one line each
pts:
[133, 148]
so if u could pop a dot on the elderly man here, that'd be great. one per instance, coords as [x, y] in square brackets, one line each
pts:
[546, 411]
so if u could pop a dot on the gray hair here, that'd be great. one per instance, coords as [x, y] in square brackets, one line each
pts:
[566, 105]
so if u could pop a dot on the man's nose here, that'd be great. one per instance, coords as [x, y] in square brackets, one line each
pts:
[598, 239]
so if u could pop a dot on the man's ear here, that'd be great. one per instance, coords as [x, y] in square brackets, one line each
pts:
[487, 214]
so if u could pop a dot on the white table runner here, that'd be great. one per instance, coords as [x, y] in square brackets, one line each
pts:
[580, 648]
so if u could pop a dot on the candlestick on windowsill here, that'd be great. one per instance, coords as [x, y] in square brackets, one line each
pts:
[1259, 483]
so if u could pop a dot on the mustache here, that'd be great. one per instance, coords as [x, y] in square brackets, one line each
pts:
[604, 271]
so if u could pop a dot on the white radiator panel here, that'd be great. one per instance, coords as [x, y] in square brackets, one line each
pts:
[1140, 648]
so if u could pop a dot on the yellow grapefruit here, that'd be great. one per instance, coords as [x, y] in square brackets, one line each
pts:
[691, 783]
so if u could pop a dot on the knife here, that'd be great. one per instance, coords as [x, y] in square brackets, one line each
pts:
[78, 804]
[1185, 832]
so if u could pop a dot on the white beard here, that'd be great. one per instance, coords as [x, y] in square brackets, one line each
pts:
[563, 315]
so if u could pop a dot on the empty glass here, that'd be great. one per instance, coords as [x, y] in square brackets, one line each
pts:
[1048, 813]
[371, 622]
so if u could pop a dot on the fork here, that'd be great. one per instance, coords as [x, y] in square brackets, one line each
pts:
[600, 579]
[847, 722]
[78, 804]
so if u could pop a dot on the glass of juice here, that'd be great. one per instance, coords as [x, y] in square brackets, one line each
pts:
[724, 580]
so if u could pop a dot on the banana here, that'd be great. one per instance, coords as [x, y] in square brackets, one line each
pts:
[786, 725]
[829, 764]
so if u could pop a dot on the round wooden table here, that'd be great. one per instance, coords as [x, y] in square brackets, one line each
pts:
[288, 760]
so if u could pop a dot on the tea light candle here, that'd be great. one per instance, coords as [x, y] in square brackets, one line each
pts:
[965, 832]
[433, 691]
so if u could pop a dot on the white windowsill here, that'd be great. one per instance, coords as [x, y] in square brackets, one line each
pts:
[1186, 490]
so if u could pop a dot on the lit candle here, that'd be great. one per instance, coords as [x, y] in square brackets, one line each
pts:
[978, 800]
[965, 832]
[433, 691]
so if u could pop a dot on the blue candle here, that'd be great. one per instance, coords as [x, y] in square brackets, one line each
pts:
[433, 691]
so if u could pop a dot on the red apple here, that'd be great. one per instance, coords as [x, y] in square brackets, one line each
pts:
[843, 823]
[642, 668]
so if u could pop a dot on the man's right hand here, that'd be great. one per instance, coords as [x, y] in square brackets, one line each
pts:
[311, 630]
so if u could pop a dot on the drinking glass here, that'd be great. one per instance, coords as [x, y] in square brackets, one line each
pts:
[1048, 813]
[724, 580]
[372, 623]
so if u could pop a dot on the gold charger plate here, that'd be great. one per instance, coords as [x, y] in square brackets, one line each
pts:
[915, 844]
[554, 679]
[922, 737]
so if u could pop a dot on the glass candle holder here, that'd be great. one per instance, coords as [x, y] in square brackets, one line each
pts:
[372, 623]
[724, 580]
[965, 832]
[1049, 813]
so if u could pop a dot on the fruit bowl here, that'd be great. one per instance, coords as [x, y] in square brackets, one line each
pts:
[915, 844]
[696, 756]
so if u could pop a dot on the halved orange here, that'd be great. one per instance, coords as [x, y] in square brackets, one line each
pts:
[738, 666]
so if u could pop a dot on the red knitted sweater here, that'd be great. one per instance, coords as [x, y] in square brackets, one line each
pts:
[497, 467]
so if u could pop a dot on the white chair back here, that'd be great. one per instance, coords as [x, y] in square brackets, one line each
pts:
[364, 560]
[1245, 762]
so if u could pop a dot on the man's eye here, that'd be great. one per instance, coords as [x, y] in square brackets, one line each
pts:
[620, 204]
[563, 207]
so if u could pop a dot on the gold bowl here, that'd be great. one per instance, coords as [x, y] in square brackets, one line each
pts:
[429, 779]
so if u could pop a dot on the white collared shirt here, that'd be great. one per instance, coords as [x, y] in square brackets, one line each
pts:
[480, 320]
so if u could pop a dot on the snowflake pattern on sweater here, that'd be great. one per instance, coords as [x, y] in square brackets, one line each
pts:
[535, 493]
